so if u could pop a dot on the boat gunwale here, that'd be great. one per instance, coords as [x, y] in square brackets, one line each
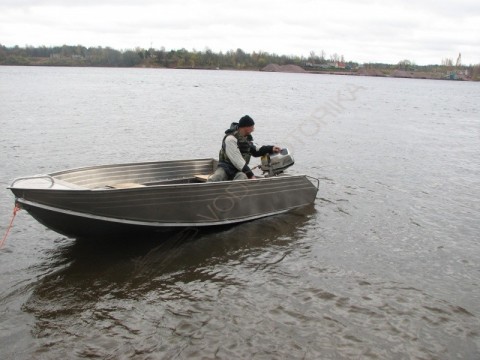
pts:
[147, 187]
[129, 164]
[220, 184]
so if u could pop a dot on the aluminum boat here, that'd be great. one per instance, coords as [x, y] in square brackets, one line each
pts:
[122, 199]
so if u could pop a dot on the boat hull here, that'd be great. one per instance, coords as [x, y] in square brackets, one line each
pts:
[80, 225]
[78, 204]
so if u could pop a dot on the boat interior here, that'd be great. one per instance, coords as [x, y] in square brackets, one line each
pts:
[122, 176]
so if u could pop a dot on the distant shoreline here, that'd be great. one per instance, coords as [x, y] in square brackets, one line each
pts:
[362, 71]
[400, 74]
[238, 60]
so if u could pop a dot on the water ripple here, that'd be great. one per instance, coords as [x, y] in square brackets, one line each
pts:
[383, 266]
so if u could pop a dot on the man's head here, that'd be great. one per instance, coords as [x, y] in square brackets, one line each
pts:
[246, 125]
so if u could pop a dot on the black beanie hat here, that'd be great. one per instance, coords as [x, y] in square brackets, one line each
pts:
[246, 121]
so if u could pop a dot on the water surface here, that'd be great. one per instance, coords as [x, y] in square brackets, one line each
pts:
[384, 265]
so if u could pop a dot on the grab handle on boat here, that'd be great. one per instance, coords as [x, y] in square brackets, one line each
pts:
[34, 177]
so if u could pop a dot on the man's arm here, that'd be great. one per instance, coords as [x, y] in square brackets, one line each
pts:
[267, 149]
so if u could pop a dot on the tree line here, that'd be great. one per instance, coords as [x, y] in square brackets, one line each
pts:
[105, 56]
[79, 55]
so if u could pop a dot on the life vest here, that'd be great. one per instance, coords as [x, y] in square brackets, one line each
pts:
[244, 145]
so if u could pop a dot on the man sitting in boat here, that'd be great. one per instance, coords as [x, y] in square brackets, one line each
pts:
[237, 149]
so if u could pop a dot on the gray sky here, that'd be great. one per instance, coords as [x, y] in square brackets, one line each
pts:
[422, 31]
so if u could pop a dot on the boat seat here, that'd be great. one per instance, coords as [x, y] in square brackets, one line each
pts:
[127, 185]
[201, 178]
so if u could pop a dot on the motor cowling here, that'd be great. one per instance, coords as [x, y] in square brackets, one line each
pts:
[275, 164]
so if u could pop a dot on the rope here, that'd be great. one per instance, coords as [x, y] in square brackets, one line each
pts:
[15, 210]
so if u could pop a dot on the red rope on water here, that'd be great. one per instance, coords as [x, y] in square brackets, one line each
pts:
[15, 210]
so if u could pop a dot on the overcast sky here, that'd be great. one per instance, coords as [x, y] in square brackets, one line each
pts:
[422, 31]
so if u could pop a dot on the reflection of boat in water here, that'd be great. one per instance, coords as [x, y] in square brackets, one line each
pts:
[93, 290]
[150, 196]
[85, 278]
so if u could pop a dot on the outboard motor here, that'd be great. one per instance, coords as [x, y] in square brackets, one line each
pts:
[275, 164]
